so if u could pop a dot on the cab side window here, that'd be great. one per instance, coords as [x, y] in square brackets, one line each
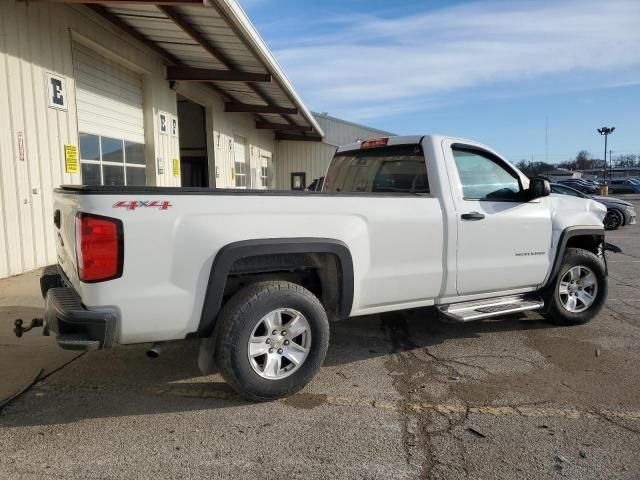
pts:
[484, 177]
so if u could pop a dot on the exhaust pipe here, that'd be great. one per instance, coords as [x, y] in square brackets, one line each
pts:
[155, 350]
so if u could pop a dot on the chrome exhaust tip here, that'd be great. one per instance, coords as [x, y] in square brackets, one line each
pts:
[155, 350]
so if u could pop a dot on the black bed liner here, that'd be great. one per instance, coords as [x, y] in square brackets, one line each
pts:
[120, 190]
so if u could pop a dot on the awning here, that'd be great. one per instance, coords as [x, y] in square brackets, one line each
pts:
[213, 41]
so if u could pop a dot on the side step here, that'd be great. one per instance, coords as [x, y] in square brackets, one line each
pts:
[493, 307]
[77, 342]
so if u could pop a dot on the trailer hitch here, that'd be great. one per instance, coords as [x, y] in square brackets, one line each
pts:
[19, 329]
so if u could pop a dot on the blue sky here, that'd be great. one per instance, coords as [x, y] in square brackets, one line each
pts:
[492, 70]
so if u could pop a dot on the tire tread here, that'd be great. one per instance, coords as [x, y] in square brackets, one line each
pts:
[231, 314]
[556, 312]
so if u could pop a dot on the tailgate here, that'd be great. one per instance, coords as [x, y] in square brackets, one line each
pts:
[65, 207]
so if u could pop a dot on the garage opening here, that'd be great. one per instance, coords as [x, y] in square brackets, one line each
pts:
[194, 161]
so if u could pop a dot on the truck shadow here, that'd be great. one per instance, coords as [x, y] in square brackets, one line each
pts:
[380, 335]
[123, 382]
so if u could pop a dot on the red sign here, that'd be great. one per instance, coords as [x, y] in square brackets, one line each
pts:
[21, 146]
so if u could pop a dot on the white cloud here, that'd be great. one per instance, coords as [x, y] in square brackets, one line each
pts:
[372, 66]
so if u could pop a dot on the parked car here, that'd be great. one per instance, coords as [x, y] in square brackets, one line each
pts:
[580, 185]
[592, 182]
[623, 186]
[619, 212]
[258, 275]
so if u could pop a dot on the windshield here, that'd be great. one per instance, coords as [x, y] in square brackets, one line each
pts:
[399, 169]
[567, 191]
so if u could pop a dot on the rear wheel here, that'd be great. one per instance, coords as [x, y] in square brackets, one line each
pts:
[273, 339]
[580, 289]
[613, 220]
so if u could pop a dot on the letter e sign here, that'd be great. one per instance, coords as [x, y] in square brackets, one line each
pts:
[163, 123]
[56, 91]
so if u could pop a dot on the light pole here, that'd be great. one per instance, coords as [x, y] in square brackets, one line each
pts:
[610, 164]
[606, 131]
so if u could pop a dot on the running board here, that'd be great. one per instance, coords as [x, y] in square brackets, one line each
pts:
[493, 307]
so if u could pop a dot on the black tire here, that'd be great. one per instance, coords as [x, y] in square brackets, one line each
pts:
[614, 219]
[556, 312]
[238, 319]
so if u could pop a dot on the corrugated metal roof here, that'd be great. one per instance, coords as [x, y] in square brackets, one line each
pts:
[216, 35]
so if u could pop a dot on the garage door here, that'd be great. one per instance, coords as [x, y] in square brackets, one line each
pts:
[110, 120]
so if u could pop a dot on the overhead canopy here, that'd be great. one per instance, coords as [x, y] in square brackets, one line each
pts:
[213, 41]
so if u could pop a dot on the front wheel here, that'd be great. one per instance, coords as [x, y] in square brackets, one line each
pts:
[613, 220]
[273, 339]
[580, 289]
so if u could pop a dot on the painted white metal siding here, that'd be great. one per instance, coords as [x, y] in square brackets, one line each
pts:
[310, 157]
[340, 132]
[108, 97]
[32, 42]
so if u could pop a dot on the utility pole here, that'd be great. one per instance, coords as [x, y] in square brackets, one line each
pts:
[546, 139]
[606, 131]
[610, 164]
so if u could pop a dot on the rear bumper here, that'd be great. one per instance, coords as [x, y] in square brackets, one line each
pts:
[76, 327]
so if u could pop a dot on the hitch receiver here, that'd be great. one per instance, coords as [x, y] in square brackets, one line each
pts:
[18, 329]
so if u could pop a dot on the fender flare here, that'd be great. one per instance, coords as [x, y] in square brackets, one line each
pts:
[565, 236]
[229, 254]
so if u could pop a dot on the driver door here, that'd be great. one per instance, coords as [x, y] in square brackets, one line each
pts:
[503, 239]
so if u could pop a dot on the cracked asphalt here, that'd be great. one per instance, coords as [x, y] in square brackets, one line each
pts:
[400, 396]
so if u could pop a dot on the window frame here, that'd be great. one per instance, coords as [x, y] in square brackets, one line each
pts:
[100, 162]
[240, 176]
[495, 159]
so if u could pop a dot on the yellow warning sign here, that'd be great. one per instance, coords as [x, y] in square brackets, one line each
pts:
[176, 167]
[71, 159]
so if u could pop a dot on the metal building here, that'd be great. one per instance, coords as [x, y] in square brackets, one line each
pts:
[119, 92]
[309, 160]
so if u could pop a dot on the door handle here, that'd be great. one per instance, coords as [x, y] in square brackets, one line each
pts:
[472, 216]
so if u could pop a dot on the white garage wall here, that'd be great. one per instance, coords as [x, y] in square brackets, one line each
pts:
[31, 45]
[310, 157]
[37, 38]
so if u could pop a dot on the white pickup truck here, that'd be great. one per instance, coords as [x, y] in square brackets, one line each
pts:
[400, 223]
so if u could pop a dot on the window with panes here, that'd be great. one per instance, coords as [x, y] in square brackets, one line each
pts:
[111, 161]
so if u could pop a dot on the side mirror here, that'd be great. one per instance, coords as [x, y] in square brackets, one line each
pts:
[539, 187]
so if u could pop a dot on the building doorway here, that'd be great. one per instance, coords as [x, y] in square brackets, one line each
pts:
[194, 160]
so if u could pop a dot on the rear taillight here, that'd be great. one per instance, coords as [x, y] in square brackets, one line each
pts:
[99, 247]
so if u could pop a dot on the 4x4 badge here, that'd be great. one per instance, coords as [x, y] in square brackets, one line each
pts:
[134, 204]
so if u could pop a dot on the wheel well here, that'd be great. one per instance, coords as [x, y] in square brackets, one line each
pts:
[591, 243]
[588, 239]
[323, 265]
[319, 273]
